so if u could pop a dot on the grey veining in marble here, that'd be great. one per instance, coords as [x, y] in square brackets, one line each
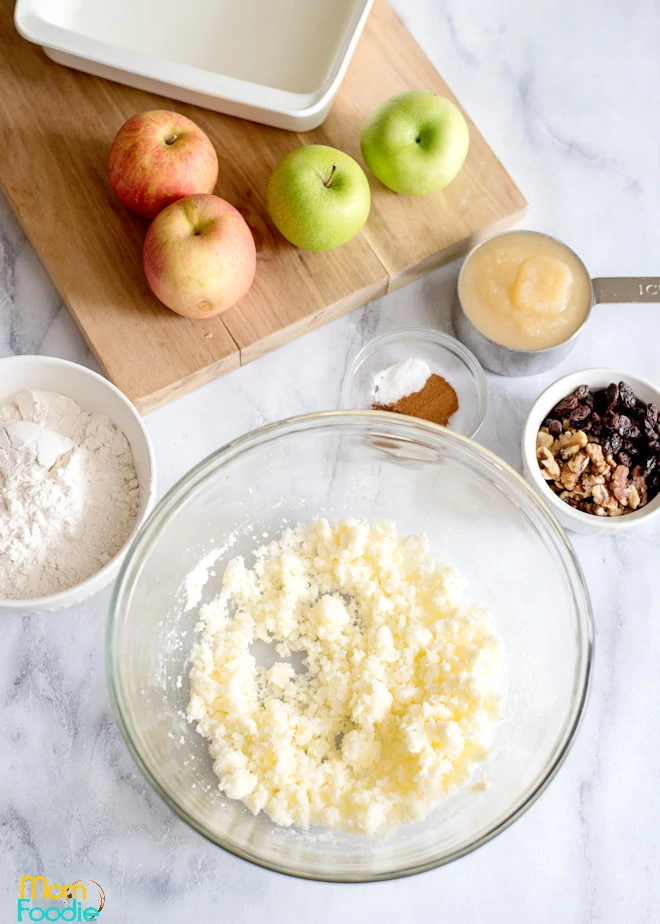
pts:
[566, 93]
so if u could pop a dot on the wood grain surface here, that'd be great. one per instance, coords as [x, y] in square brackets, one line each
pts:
[58, 125]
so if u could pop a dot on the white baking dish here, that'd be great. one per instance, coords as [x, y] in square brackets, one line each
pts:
[274, 61]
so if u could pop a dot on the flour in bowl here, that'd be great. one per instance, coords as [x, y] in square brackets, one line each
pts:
[69, 494]
[380, 691]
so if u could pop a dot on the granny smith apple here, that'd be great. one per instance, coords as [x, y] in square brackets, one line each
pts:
[415, 142]
[318, 197]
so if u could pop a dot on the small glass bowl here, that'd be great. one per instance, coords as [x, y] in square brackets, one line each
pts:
[445, 356]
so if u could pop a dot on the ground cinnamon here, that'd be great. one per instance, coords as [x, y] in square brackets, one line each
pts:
[436, 401]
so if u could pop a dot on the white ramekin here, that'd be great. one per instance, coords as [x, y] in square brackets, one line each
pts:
[577, 520]
[93, 393]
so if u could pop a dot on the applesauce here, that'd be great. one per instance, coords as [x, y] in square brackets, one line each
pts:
[525, 290]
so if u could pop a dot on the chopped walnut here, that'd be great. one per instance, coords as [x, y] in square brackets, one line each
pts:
[580, 474]
[601, 495]
[571, 442]
[549, 465]
[598, 463]
[580, 491]
[639, 481]
[612, 506]
[544, 440]
[633, 499]
[619, 483]
[568, 478]
[579, 462]
[588, 481]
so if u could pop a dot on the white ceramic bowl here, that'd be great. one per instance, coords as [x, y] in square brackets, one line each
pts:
[577, 520]
[93, 393]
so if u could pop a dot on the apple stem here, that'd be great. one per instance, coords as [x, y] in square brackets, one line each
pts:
[171, 139]
[328, 183]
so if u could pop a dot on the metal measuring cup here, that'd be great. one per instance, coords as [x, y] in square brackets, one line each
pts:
[509, 361]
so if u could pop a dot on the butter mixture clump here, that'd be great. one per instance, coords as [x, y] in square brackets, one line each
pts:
[381, 692]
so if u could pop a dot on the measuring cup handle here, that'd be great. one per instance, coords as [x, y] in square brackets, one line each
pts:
[609, 290]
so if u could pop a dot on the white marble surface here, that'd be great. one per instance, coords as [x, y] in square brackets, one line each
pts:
[566, 94]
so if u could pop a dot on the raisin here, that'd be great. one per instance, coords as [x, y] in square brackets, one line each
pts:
[651, 419]
[581, 392]
[612, 395]
[650, 464]
[615, 443]
[626, 396]
[634, 432]
[554, 427]
[580, 413]
[610, 419]
[624, 458]
[596, 424]
[622, 424]
[600, 401]
[568, 404]
[619, 423]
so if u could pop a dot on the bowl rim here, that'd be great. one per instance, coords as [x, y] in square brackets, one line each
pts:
[535, 417]
[95, 582]
[191, 480]
[441, 339]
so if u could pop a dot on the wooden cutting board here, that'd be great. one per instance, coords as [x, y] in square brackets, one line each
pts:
[58, 125]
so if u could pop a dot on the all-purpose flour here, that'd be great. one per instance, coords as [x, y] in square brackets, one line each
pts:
[69, 494]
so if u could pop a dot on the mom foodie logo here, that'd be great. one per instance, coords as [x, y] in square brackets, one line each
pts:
[39, 900]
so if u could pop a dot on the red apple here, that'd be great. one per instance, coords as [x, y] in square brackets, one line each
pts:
[158, 157]
[199, 256]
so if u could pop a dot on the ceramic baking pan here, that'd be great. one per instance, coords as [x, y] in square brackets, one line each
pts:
[279, 62]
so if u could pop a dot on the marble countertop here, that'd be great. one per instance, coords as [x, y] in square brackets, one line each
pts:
[565, 95]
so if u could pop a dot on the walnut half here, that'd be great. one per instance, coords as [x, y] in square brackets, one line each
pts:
[549, 465]
[620, 483]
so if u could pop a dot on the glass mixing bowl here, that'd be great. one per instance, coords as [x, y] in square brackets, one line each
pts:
[481, 517]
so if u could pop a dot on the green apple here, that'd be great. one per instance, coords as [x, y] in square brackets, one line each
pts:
[415, 142]
[318, 197]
